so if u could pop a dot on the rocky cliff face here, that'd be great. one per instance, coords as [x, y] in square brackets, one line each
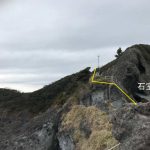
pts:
[73, 114]
[131, 68]
[130, 127]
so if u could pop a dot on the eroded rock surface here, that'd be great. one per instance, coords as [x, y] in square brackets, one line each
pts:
[36, 134]
[131, 127]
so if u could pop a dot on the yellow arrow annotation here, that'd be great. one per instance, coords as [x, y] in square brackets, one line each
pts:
[112, 83]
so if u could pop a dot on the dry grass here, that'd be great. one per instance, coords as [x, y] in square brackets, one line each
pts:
[100, 137]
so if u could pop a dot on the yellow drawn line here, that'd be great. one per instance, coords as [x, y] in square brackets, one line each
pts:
[112, 83]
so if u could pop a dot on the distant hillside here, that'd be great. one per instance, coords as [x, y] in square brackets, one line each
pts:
[8, 94]
[56, 93]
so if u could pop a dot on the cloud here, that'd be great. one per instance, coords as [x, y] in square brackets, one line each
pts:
[73, 25]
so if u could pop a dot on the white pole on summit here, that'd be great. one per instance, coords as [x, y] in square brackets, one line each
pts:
[98, 62]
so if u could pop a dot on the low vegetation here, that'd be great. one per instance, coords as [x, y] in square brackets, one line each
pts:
[56, 93]
[90, 128]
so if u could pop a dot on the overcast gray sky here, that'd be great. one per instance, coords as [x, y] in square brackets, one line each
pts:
[44, 40]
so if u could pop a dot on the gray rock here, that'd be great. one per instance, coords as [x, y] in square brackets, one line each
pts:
[131, 127]
[36, 134]
[100, 98]
[65, 141]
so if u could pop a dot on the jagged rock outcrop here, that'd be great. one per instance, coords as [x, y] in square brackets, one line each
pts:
[131, 127]
[131, 68]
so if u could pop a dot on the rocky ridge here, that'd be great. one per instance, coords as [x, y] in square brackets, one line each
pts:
[72, 113]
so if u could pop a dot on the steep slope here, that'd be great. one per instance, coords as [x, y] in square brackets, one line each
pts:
[54, 94]
[131, 68]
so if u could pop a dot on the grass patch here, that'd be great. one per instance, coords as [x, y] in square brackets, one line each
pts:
[89, 127]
